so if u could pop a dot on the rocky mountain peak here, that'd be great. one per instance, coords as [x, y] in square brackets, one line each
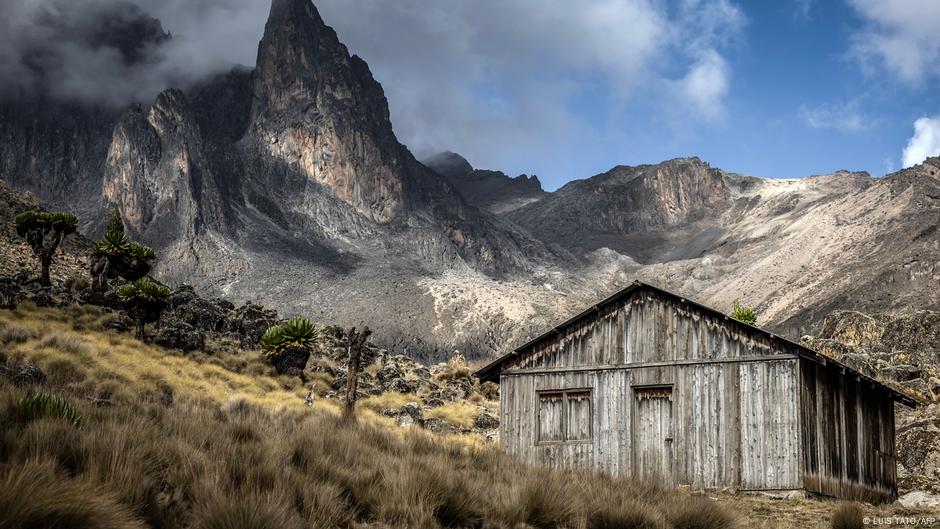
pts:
[157, 174]
[319, 112]
[494, 191]
[295, 52]
[449, 163]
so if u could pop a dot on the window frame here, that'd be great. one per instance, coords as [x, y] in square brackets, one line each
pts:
[564, 415]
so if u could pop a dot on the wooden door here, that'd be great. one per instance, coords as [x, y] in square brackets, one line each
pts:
[653, 430]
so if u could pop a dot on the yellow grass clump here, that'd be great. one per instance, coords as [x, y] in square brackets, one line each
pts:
[75, 351]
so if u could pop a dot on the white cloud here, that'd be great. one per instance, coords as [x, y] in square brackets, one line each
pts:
[924, 143]
[900, 36]
[844, 117]
[705, 86]
[491, 77]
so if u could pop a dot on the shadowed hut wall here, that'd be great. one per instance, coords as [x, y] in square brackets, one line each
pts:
[711, 445]
[848, 442]
[717, 375]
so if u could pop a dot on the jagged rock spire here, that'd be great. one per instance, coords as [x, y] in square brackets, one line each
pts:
[319, 111]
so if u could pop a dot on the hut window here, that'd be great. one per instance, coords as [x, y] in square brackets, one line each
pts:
[564, 415]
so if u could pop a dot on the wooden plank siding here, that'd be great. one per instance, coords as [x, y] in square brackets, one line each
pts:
[709, 447]
[746, 409]
[645, 328]
[848, 439]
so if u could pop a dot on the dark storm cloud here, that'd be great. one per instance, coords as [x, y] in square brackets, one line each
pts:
[112, 52]
[487, 78]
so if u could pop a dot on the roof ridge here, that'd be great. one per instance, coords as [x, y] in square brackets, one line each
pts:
[491, 370]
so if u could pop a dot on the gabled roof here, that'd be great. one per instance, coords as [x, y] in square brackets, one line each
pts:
[491, 371]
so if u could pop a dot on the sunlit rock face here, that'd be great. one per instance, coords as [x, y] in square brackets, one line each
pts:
[157, 173]
[320, 111]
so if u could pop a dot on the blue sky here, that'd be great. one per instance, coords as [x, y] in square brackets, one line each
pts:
[779, 89]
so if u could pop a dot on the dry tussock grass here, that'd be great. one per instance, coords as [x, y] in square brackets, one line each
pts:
[848, 516]
[76, 352]
[239, 465]
[198, 441]
[459, 413]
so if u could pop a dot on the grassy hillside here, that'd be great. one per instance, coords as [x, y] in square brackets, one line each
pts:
[167, 440]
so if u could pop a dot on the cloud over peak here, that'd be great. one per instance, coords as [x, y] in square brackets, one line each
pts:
[924, 143]
[491, 77]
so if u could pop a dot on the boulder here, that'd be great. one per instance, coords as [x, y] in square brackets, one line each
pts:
[436, 425]
[486, 420]
[199, 313]
[901, 373]
[918, 446]
[389, 373]
[919, 499]
[433, 402]
[403, 385]
[249, 322]
[180, 335]
[407, 416]
[25, 374]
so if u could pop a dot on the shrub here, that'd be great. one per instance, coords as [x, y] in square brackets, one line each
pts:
[458, 413]
[14, 334]
[698, 513]
[848, 516]
[544, 501]
[628, 515]
[144, 300]
[287, 345]
[45, 405]
[250, 510]
[76, 283]
[489, 390]
[295, 332]
[68, 343]
[743, 314]
[44, 232]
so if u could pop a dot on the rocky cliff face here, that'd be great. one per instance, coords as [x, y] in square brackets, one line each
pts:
[493, 191]
[158, 175]
[55, 149]
[628, 209]
[318, 110]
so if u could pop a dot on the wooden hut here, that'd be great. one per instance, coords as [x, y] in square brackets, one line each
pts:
[649, 384]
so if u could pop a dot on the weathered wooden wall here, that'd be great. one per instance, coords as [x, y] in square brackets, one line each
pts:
[734, 406]
[734, 424]
[848, 435]
[644, 328]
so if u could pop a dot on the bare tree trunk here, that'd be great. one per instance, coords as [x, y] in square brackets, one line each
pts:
[354, 343]
[46, 262]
